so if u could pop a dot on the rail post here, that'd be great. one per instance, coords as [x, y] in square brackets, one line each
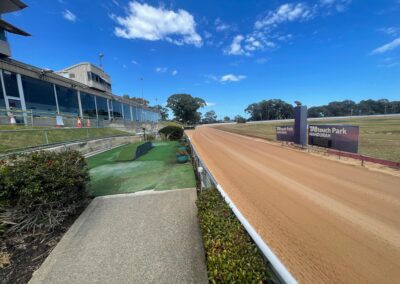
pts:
[46, 137]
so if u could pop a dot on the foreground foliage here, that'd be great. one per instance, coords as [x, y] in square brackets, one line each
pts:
[231, 255]
[41, 189]
[172, 132]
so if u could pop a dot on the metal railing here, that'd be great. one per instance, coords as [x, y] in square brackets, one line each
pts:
[207, 180]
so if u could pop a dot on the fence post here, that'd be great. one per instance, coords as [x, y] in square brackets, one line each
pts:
[32, 118]
[46, 137]
[87, 133]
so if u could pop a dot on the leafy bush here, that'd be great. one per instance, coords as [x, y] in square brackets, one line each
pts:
[231, 255]
[41, 189]
[150, 137]
[171, 132]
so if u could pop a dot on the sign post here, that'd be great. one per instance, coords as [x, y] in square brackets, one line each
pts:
[300, 125]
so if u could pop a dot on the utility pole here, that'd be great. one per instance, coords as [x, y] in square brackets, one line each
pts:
[141, 113]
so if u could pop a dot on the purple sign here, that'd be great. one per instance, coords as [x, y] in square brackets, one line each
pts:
[285, 133]
[339, 137]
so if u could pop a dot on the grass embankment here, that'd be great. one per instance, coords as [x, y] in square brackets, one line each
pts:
[155, 170]
[24, 138]
[231, 256]
[379, 136]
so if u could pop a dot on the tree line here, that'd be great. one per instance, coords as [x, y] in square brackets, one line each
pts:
[185, 108]
[277, 109]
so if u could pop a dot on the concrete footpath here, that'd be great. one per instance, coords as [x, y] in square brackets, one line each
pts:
[145, 237]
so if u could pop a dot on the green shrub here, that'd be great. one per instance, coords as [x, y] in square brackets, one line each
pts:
[171, 132]
[41, 189]
[150, 137]
[230, 254]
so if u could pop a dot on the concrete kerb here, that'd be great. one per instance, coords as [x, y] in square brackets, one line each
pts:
[277, 266]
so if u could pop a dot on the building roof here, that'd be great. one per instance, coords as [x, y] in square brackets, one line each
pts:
[7, 6]
[12, 29]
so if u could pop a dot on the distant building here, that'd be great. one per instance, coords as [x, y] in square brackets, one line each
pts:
[88, 74]
[7, 6]
[80, 90]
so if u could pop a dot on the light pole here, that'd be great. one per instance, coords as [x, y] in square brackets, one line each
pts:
[141, 113]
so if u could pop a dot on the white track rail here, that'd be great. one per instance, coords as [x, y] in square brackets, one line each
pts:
[279, 268]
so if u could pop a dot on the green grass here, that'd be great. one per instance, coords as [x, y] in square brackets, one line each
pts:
[25, 138]
[155, 170]
[231, 256]
[379, 136]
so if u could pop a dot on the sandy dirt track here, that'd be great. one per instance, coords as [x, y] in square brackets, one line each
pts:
[328, 222]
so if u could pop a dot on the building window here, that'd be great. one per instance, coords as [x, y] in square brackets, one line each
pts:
[102, 108]
[117, 109]
[139, 114]
[39, 95]
[67, 100]
[88, 105]
[127, 112]
[71, 75]
[10, 83]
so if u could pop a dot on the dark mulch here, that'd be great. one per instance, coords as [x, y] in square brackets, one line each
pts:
[22, 254]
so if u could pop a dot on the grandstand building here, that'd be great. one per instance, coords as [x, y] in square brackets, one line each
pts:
[80, 90]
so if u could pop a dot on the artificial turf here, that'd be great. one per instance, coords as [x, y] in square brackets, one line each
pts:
[155, 170]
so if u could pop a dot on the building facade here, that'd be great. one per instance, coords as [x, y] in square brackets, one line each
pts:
[40, 92]
[82, 90]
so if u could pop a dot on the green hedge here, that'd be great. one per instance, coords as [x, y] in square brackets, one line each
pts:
[41, 189]
[172, 132]
[231, 255]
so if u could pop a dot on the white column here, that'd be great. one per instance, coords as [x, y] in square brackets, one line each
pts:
[4, 90]
[22, 96]
[80, 104]
[130, 108]
[95, 103]
[55, 95]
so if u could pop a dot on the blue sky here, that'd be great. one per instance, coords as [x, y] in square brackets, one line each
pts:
[230, 53]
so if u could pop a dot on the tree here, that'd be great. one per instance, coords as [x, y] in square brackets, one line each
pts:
[271, 109]
[139, 101]
[185, 107]
[240, 119]
[210, 117]
[163, 111]
[227, 118]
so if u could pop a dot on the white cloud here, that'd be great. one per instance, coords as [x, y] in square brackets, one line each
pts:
[392, 31]
[174, 73]
[264, 35]
[246, 45]
[124, 66]
[116, 3]
[209, 104]
[236, 46]
[134, 62]
[232, 78]
[339, 5]
[226, 78]
[285, 13]
[161, 69]
[261, 60]
[69, 16]
[151, 23]
[221, 26]
[386, 47]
